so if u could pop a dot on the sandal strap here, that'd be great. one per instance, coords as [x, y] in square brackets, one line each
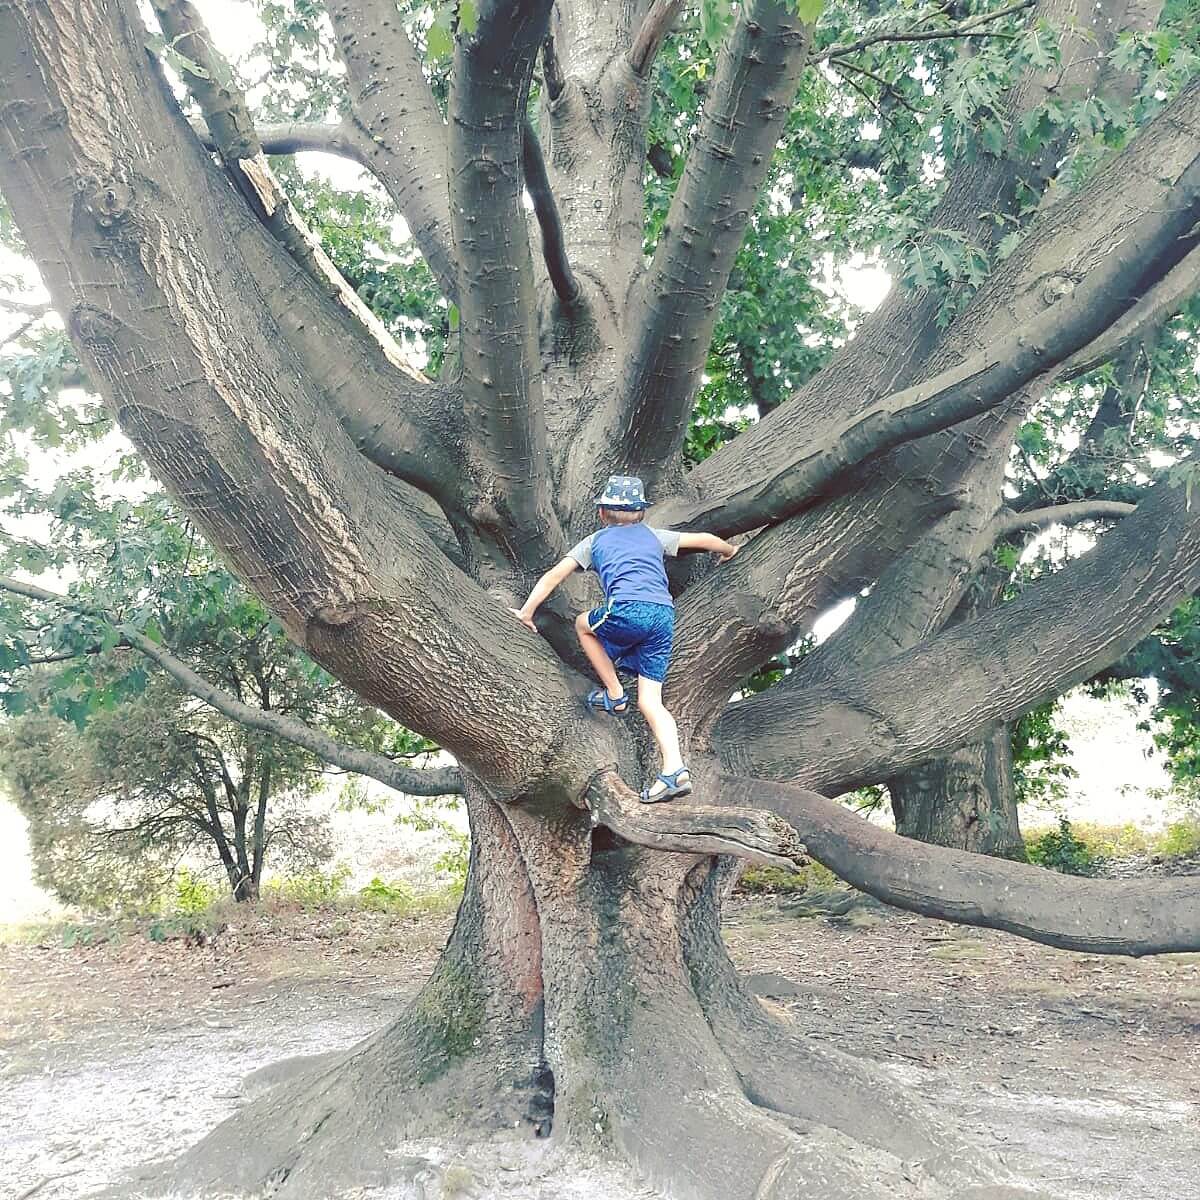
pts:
[601, 699]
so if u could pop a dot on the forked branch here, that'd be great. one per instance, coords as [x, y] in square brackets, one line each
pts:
[436, 781]
[749, 833]
[871, 723]
[227, 115]
[1096, 916]
[401, 126]
[395, 416]
[675, 310]
[968, 389]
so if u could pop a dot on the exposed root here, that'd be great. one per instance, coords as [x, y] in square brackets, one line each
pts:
[826, 1095]
[286, 1069]
[332, 1124]
[691, 1129]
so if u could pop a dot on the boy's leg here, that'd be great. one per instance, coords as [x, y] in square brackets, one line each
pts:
[598, 657]
[662, 725]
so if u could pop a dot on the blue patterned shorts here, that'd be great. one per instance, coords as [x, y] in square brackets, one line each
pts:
[637, 636]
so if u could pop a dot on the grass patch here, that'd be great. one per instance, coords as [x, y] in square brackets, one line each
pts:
[195, 912]
[66, 933]
[959, 951]
[1078, 847]
[777, 881]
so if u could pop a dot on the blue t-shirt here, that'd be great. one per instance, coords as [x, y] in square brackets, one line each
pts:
[629, 561]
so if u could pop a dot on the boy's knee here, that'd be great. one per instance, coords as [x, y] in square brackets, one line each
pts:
[650, 705]
[581, 624]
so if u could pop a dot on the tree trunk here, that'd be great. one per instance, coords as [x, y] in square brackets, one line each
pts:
[964, 799]
[259, 853]
[575, 961]
[245, 886]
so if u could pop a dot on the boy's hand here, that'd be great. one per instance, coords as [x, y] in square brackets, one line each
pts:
[524, 618]
[723, 556]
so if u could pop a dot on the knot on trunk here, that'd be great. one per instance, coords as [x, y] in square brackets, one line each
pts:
[109, 201]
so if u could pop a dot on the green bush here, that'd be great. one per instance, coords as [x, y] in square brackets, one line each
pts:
[453, 862]
[313, 889]
[1062, 851]
[192, 893]
[385, 896]
[1181, 837]
[1114, 841]
[84, 935]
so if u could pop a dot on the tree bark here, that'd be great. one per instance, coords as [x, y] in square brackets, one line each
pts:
[964, 799]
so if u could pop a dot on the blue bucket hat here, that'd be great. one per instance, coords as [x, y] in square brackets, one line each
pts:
[623, 493]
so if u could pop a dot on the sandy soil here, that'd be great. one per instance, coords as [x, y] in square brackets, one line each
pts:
[1083, 1072]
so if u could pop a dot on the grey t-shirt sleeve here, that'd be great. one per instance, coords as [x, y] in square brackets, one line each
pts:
[582, 553]
[668, 539]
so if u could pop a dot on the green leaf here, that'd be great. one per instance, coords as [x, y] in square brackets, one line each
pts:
[809, 10]
[441, 44]
[454, 317]
[715, 18]
[468, 16]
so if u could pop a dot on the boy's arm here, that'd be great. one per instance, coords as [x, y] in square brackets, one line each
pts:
[542, 589]
[708, 541]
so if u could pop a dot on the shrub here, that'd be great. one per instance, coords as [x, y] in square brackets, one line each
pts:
[387, 896]
[1181, 837]
[192, 893]
[312, 889]
[454, 860]
[1062, 851]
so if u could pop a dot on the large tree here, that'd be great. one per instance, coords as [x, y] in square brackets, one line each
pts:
[388, 518]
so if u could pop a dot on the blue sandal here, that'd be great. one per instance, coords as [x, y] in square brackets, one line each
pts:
[673, 787]
[600, 701]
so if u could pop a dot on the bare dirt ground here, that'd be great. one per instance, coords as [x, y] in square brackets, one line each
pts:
[1083, 1072]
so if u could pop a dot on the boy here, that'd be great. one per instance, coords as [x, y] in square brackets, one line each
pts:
[635, 625]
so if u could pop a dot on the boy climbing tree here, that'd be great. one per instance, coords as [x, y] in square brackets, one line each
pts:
[633, 629]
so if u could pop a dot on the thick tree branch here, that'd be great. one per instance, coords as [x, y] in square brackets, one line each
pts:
[901, 342]
[732, 622]
[232, 129]
[178, 320]
[1162, 300]
[686, 828]
[873, 722]
[1010, 522]
[554, 246]
[656, 24]
[343, 140]
[403, 139]
[395, 417]
[1095, 916]
[501, 378]
[671, 320]
[973, 386]
[435, 781]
